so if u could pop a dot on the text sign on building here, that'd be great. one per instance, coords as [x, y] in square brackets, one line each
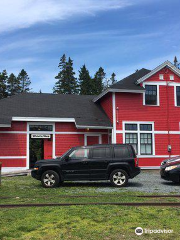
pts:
[40, 136]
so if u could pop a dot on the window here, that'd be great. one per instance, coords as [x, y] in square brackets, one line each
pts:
[121, 152]
[146, 127]
[132, 138]
[161, 76]
[38, 128]
[178, 96]
[132, 127]
[171, 77]
[101, 153]
[146, 143]
[141, 139]
[79, 153]
[151, 95]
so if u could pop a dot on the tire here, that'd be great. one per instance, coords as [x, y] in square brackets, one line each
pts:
[50, 179]
[119, 178]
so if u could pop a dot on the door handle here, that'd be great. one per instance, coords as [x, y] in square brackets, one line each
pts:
[85, 162]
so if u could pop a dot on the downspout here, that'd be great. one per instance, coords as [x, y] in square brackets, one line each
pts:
[168, 126]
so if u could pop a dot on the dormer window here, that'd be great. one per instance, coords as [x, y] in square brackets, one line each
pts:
[161, 76]
[171, 77]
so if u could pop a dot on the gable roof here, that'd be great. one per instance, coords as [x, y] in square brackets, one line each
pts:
[42, 105]
[127, 84]
[151, 73]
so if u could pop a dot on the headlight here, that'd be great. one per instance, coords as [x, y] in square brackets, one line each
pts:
[36, 168]
[170, 168]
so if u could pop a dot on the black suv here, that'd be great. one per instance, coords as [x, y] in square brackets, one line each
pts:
[114, 162]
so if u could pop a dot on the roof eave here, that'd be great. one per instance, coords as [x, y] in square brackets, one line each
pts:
[117, 90]
[166, 63]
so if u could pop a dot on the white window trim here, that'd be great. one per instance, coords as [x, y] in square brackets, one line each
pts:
[161, 75]
[158, 102]
[138, 133]
[94, 135]
[175, 95]
[171, 75]
[29, 132]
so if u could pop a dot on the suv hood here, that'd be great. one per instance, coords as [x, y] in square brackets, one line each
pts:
[49, 161]
[171, 161]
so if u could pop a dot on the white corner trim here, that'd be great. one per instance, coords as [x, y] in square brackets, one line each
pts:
[114, 117]
[166, 63]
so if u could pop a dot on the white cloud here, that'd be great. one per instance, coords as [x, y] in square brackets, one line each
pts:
[15, 14]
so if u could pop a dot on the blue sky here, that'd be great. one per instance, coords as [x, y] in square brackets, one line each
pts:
[119, 35]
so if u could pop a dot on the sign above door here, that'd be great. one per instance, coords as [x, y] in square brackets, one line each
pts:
[40, 135]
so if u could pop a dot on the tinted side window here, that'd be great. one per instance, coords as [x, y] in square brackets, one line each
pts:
[121, 152]
[101, 153]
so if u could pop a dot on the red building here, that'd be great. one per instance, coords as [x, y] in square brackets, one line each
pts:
[142, 110]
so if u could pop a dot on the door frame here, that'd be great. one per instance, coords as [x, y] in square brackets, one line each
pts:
[92, 135]
[39, 132]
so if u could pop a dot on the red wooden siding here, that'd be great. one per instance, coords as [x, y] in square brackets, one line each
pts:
[12, 144]
[91, 140]
[13, 162]
[16, 126]
[64, 142]
[106, 103]
[48, 145]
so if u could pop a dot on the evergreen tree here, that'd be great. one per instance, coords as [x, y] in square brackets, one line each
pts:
[13, 85]
[98, 81]
[24, 81]
[71, 81]
[61, 79]
[67, 83]
[85, 81]
[3, 84]
[113, 78]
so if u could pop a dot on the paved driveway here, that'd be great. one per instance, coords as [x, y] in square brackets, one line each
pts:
[148, 181]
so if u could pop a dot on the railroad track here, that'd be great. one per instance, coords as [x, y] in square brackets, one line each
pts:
[140, 204]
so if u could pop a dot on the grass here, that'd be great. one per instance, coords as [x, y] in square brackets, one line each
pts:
[80, 222]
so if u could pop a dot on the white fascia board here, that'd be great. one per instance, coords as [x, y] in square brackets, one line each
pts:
[166, 63]
[5, 125]
[92, 127]
[117, 90]
[42, 119]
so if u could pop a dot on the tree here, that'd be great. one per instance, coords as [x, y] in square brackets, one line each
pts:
[113, 78]
[67, 83]
[24, 81]
[71, 81]
[85, 81]
[61, 81]
[13, 85]
[3, 84]
[98, 81]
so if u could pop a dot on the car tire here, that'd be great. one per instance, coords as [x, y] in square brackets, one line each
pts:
[119, 178]
[50, 179]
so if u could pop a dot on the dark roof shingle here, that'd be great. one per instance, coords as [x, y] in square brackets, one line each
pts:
[82, 108]
[129, 82]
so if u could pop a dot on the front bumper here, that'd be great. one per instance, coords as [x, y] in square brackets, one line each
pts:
[172, 175]
[35, 174]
